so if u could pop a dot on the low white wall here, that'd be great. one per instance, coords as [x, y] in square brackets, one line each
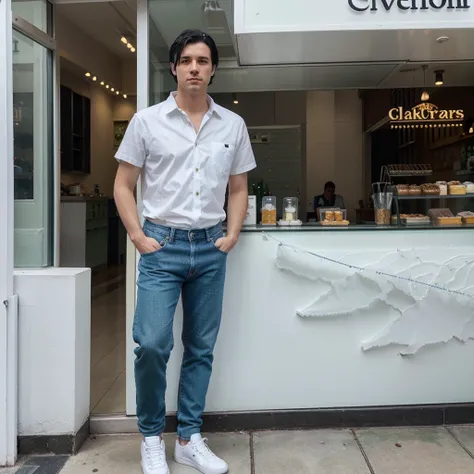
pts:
[54, 345]
[269, 357]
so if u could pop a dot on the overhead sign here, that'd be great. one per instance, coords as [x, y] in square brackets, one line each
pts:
[425, 115]
[405, 5]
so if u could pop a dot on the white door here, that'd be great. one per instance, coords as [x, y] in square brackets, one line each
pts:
[8, 303]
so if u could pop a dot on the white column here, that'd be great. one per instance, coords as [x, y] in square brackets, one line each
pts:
[8, 303]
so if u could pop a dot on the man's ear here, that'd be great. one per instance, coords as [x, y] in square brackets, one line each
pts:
[173, 69]
[213, 71]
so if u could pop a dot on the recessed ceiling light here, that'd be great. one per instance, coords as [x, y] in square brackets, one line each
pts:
[125, 96]
[107, 86]
[113, 90]
[124, 40]
[102, 83]
[88, 74]
[118, 92]
[129, 46]
[94, 78]
[132, 49]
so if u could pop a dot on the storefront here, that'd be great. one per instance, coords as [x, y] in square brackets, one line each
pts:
[326, 318]
[319, 316]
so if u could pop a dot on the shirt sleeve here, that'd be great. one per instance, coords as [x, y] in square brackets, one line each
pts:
[244, 159]
[132, 148]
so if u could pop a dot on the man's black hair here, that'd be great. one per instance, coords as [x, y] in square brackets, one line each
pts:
[192, 37]
[329, 184]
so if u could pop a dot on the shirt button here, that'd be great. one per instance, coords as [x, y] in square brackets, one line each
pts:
[197, 193]
[197, 170]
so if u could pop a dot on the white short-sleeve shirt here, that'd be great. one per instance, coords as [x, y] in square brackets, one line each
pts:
[184, 173]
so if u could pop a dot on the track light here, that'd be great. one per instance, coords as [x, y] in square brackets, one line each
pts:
[425, 96]
[234, 97]
[439, 80]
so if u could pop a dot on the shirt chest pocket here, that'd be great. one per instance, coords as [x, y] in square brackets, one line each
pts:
[222, 155]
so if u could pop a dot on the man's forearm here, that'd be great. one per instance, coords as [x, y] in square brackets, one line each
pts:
[237, 211]
[127, 208]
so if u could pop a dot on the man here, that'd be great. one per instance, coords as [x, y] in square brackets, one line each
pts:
[329, 198]
[187, 149]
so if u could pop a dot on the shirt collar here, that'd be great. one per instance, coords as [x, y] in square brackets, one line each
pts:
[171, 105]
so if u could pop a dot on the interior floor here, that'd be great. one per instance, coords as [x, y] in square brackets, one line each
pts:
[108, 342]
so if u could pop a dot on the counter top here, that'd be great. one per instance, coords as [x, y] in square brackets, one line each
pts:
[83, 198]
[312, 227]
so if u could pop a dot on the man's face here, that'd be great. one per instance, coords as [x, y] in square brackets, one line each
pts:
[195, 69]
[329, 192]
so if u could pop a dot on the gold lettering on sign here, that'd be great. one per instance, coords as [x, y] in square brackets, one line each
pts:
[425, 115]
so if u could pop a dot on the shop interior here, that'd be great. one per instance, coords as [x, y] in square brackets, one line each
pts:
[309, 125]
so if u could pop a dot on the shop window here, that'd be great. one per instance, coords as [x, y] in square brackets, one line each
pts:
[33, 152]
[36, 12]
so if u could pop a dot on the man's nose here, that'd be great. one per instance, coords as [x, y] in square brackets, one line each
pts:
[194, 66]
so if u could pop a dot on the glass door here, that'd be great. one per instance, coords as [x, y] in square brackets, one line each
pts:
[8, 303]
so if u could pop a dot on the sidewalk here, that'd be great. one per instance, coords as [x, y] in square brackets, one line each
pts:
[430, 450]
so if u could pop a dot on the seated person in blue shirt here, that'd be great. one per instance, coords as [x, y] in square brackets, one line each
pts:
[328, 199]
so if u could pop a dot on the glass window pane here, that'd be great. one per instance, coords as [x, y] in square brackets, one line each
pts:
[33, 151]
[36, 12]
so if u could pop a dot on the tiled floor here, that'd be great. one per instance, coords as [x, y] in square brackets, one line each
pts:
[430, 450]
[108, 345]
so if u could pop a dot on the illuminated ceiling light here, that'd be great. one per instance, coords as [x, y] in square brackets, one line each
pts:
[107, 86]
[88, 74]
[129, 46]
[132, 49]
[102, 83]
[439, 80]
[442, 39]
[94, 78]
[425, 96]
[113, 90]
[234, 97]
[125, 96]
[124, 40]
[118, 92]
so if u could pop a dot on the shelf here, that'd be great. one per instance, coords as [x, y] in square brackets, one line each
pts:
[430, 197]
[409, 174]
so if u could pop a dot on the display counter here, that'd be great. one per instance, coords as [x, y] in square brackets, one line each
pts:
[312, 319]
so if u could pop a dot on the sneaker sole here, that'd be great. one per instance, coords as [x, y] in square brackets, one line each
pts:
[187, 462]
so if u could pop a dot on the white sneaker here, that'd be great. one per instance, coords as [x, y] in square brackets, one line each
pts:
[198, 455]
[154, 456]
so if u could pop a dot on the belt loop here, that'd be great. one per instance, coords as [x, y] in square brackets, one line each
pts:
[172, 234]
[208, 235]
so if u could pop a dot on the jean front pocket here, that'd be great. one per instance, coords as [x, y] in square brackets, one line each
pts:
[160, 238]
[215, 238]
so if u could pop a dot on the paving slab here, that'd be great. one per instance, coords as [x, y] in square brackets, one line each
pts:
[308, 452]
[414, 451]
[120, 454]
[465, 434]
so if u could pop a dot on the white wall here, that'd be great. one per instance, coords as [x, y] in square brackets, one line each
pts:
[54, 345]
[334, 146]
[105, 108]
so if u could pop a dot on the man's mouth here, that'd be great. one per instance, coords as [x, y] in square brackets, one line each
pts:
[194, 79]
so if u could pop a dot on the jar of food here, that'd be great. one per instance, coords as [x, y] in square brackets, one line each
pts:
[290, 209]
[269, 210]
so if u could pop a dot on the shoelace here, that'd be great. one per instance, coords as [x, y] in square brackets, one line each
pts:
[155, 455]
[203, 449]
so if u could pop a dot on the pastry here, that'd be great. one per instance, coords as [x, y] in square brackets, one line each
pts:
[443, 188]
[414, 190]
[338, 216]
[430, 189]
[455, 188]
[329, 216]
[402, 189]
[469, 187]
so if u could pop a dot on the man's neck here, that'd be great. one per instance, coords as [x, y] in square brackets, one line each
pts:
[192, 104]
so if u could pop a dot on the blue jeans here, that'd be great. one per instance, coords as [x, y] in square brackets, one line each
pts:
[188, 264]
